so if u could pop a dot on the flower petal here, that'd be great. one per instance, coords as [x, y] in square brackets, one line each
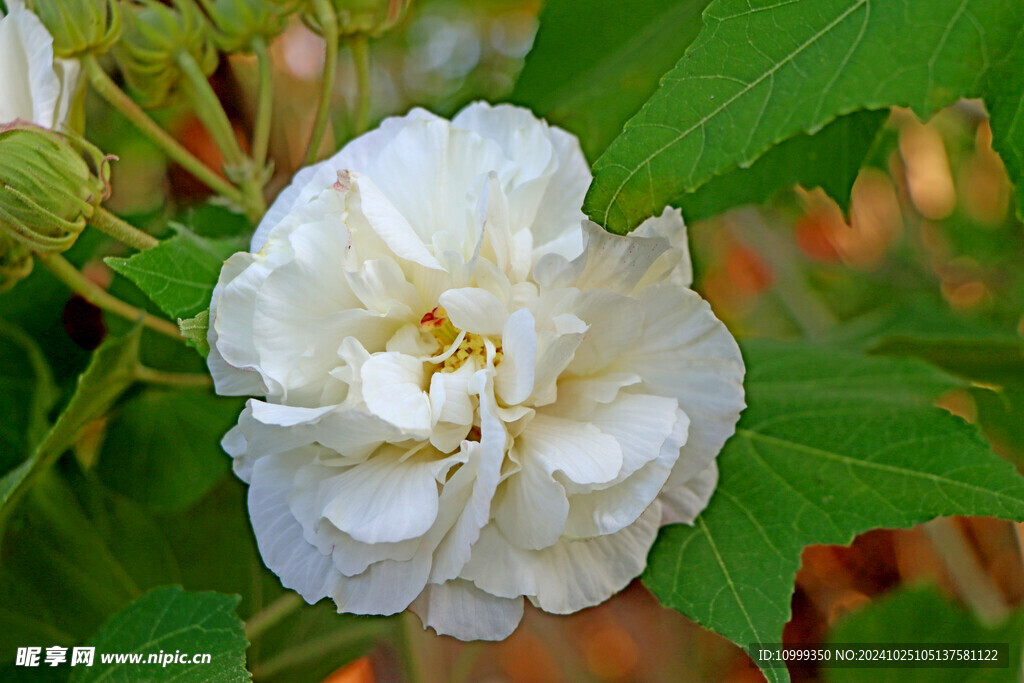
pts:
[475, 310]
[513, 380]
[682, 504]
[29, 87]
[459, 609]
[394, 390]
[279, 536]
[569, 575]
[390, 497]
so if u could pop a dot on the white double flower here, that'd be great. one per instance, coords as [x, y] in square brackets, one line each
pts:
[471, 394]
[34, 87]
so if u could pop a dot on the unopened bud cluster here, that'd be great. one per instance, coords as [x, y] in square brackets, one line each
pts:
[48, 191]
[79, 27]
[367, 17]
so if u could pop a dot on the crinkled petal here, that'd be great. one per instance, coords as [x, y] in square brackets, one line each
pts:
[568, 576]
[685, 352]
[475, 310]
[394, 389]
[683, 503]
[278, 534]
[459, 609]
[386, 498]
[513, 381]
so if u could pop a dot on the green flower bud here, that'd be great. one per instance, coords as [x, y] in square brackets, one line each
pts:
[15, 262]
[238, 22]
[368, 17]
[79, 27]
[48, 191]
[154, 37]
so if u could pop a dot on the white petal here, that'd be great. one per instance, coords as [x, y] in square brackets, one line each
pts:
[380, 283]
[240, 377]
[670, 226]
[384, 588]
[475, 310]
[300, 566]
[682, 504]
[687, 353]
[513, 379]
[531, 507]
[569, 575]
[391, 225]
[394, 389]
[385, 499]
[616, 263]
[449, 396]
[461, 610]
[609, 509]
[312, 180]
[615, 324]
[29, 87]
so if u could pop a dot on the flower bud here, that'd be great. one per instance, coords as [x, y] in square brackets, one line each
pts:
[154, 37]
[48, 191]
[79, 27]
[238, 22]
[15, 262]
[369, 17]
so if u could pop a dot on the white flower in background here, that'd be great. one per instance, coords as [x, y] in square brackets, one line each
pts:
[471, 394]
[34, 87]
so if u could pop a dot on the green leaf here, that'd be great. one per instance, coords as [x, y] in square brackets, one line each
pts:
[1005, 99]
[761, 72]
[830, 159]
[179, 274]
[594, 63]
[169, 620]
[922, 615]
[215, 221]
[831, 445]
[110, 372]
[997, 361]
[163, 447]
[72, 543]
[27, 392]
[194, 330]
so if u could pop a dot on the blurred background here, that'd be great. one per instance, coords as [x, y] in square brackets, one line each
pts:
[931, 218]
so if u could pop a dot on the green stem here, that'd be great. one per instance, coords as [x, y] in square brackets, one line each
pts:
[210, 111]
[259, 623]
[264, 105]
[238, 167]
[412, 630]
[316, 648]
[121, 231]
[329, 25]
[469, 654]
[109, 91]
[360, 46]
[97, 296]
[174, 379]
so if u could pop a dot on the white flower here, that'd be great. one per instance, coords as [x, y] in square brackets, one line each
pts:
[34, 87]
[471, 394]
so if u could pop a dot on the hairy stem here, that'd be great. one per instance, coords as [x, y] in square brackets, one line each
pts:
[109, 91]
[329, 25]
[173, 379]
[360, 46]
[121, 231]
[263, 620]
[97, 296]
[264, 105]
[238, 167]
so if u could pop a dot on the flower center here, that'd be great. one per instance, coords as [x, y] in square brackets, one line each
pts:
[436, 322]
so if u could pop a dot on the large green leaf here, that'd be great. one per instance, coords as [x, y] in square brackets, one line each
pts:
[178, 274]
[594, 63]
[167, 621]
[831, 445]
[110, 372]
[923, 616]
[830, 159]
[162, 448]
[763, 71]
[1005, 99]
[27, 392]
[72, 543]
